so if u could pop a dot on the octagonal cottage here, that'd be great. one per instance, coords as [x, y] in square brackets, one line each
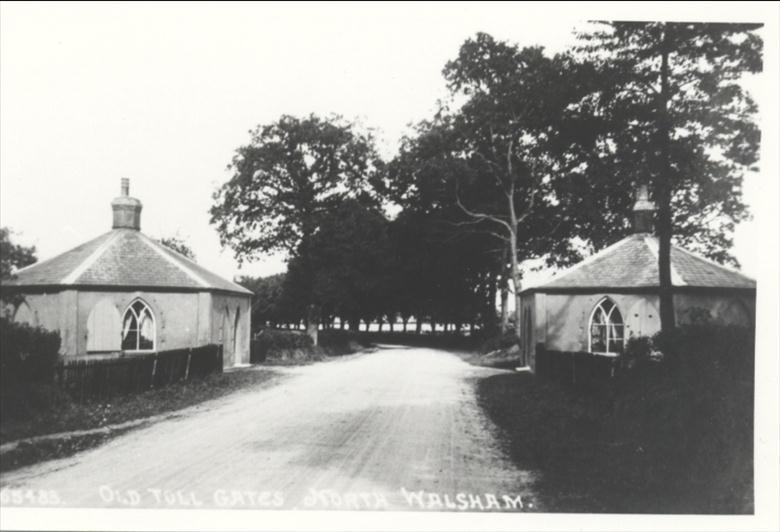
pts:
[125, 293]
[596, 306]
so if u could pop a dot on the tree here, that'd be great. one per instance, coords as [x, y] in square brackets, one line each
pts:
[680, 122]
[13, 256]
[270, 305]
[512, 139]
[179, 245]
[284, 181]
[351, 263]
[445, 267]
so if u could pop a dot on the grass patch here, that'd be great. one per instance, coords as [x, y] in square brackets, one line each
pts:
[48, 410]
[653, 450]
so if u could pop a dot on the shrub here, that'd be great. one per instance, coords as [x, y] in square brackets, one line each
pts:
[271, 342]
[701, 349]
[502, 341]
[342, 340]
[27, 354]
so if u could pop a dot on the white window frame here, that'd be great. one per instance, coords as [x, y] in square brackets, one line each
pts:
[135, 314]
[608, 325]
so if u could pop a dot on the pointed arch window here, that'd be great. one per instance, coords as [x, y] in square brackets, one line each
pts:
[606, 329]
[138, 328]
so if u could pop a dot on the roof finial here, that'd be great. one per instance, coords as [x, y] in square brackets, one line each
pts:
[643, 211]
[125, 190]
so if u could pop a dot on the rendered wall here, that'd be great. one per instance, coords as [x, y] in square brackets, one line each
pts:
[233, 336]
[561, 321]
[181, 319]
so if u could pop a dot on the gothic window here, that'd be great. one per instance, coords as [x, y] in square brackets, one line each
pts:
[605, 331]
[138, 330]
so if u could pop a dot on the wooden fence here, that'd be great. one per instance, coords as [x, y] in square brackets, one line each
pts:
[106, 378]
[578, 369]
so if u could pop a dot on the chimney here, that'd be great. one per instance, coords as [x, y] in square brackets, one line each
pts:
[644, 210]
[127, 210]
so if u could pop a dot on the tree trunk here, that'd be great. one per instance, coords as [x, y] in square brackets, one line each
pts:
[664, 196]
[417, 325]
[312, 323]
[513, 259]
[504, 291]
[489, 321]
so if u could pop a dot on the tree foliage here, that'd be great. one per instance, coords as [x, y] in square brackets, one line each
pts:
[677, 119]
[13, 256]
[179, 245]
[291, 173]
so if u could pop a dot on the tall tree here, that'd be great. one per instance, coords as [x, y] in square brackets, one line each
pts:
[351, 262]
[512, 137]
[291, 173]
[679, 121]
[269, 304]
[443, 260]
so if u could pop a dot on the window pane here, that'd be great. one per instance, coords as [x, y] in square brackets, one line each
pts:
[599, 317]
[615, 317]
[598, 338]
[146, 332]
[129, 324]
[130, 340]
[139, 307]
[145, 342]
[616, 345]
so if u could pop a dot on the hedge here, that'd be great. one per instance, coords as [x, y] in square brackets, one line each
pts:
[269, 341]
[27, 354]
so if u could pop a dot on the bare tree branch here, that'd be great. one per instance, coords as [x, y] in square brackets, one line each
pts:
[478, 215]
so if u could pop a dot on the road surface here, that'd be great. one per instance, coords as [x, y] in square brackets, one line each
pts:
[398, 428]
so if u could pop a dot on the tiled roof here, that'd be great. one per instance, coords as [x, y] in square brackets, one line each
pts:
[633, 263]
[123, 258]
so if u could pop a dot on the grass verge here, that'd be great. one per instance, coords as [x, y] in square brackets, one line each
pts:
[589, 457]
[61, 414]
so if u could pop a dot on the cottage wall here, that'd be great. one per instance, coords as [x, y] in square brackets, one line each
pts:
[725, 308]
[233, 335]
[176, 316]
[560, 321]
[181, 319]
[566, 317]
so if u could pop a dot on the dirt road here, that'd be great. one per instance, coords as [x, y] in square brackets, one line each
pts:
[399, 428]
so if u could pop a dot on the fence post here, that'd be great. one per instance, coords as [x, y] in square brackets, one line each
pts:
[189, 359]
[154, 371]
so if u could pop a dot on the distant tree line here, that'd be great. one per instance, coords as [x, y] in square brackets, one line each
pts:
[533, 156]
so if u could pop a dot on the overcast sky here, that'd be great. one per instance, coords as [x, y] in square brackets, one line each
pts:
[163, 94]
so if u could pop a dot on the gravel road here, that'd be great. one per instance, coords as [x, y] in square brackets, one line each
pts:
[395, 429]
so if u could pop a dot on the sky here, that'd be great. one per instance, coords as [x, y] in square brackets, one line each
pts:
[164, 94]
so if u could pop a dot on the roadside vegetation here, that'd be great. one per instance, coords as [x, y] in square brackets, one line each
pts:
[44, 409]
[671, 436]
[275, 347]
